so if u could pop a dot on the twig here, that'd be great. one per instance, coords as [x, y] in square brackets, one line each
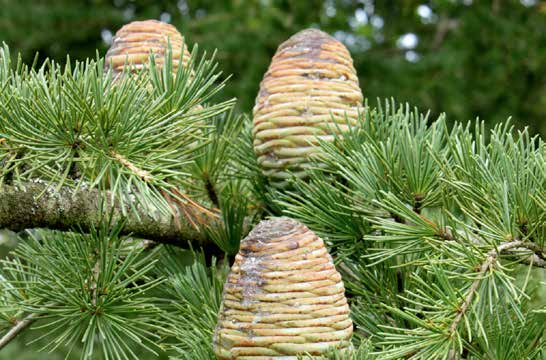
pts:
[6, 163]
[141, 173]
[210, 212]
[189, 207]
[211, 192]
[174, 208]
[491, 257]
[94, 280]
[19, 326]
[535, 248]
[536, 258]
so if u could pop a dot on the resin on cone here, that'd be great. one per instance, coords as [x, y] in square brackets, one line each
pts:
[134, 42]
[283, 297]
[309, 92]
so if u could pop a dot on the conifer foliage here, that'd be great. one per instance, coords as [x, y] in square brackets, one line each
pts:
[439, 233]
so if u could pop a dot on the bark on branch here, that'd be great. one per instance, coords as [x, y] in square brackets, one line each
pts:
[19, 326]
[37, 206]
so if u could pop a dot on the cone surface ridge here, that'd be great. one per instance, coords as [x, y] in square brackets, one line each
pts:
[283, 297]
[133, 43]
[309, 92]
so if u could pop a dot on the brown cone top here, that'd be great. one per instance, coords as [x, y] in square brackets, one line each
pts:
[306, 38]
[309, 92]
[133, 43]
[283, 297]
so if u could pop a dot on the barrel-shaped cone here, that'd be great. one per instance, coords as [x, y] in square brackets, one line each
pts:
[283, 297]
[134, 42]
[309, 92]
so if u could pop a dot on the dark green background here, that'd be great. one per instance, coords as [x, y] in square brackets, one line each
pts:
[482, 58]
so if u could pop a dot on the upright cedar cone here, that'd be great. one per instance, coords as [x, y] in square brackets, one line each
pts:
[283, 297]
[134, 42]
[310, 91]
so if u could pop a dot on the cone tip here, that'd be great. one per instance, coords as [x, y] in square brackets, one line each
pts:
[307, 37]
[273, 228]
[144, 25]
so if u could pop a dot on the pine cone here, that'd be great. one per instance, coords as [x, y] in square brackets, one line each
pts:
[283, 297]
[309, 92]
[134, 42]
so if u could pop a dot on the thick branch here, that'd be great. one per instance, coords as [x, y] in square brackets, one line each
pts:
[19, 326]
[36, 206]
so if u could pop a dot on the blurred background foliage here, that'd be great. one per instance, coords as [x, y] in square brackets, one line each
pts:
[467, 58]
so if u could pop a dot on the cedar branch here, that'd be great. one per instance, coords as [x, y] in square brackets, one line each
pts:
[490, 259]
[19, 326]
[35, 205]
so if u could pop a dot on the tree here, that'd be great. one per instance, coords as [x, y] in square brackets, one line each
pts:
[438, 231]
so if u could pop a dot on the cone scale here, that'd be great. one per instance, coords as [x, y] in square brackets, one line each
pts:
[283, 297]
[309, 92]
[133, 43]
